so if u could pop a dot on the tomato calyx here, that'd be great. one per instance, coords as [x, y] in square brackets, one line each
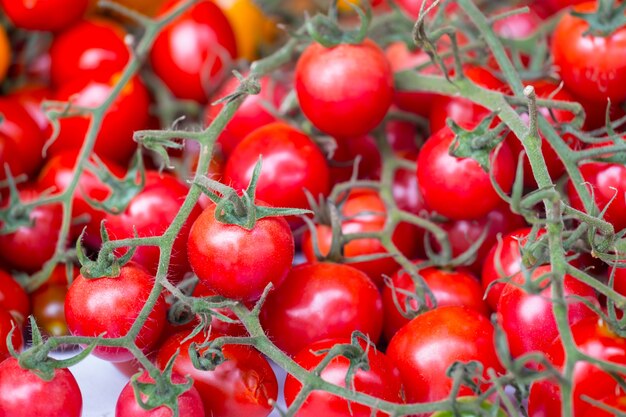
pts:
[107, 264]
[325, 30]
[477, 143]
[241, 210]
[606, 20]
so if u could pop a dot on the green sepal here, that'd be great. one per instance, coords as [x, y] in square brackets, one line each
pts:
[606, 20]
[477, 143]
[107, 263]
[122, 190]
[325, 30]
[15, 215]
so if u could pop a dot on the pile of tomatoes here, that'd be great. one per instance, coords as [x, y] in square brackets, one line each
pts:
[424, 275]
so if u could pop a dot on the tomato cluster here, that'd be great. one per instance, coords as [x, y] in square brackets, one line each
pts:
[396, 223]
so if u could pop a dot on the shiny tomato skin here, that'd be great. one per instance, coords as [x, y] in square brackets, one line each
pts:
[28, 248]
[8, 150]
[292, 162]
[505, 255]
[517, 26]
[593, 338]
[556, 5]
[607, 184]
[193, 51]
[111, 305]
[381, 380]
[444, 178]
[150, 213]
[617, 402]
[128, 113]
[528, 320]
[250, 116]
[13, 298]
[20, 128]
[49, 309]
[456, 287]
[321, 301]
[365, 212]
[91, 48]
[21, 390]
[57, 175]
[44, 15]
[189, 403]
[30, 96]
[346, 90]
[241, 386]
[426, 347]
[590, 65]
[236, 262]
[7, 322]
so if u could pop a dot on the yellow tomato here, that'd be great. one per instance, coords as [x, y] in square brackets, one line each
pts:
[5, 53]
[252, 28]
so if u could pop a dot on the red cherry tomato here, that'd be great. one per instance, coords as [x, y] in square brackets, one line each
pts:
[556, 5]
[236, 262]
[44, 15]
[450, 288]
[150, 213]
[503, 256]
[381, 380]
[321, 301]
[607, 183]
[128, 113]
[516, 26]
[589, 64]
[593, 338]
[250, 116]
[111, 305]
[242, 385]
[527, 319]
[192, 52]
[345, 90]
[21, 390]
[93, 48]
[430, 343]
[365, 212]
[20, 128]
[13, 298]
[31, 97]
[443, 178]
[342, 164]
[8, 150]
[28, 248]
[57, 175]
[7, 322]
[292, 163]
[189, 403]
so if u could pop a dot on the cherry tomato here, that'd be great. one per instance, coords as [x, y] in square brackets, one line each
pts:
[189, 403]
[91, 49]
[49, 309]
[527, 319]
[403, 136]
[556, 5]
[57, 175]
[503, 256]
[607, 184]
[128, 113]
[593, 338]
[111, 305]
[13, 298]
[292, 163]
[381, 380]
[150, 213]
[413, 7]
[22, 130]
[28, 248]
[236, 262]
[250, 116]
[590, 64]
[147, 7]
[8, 150]
[406, 192]
[192, 52]
[345, 90]
[242, 385]
[342, 164]
[30, 97]
[443, 178]
[426, 347]
[44, 15]
[7, 322]
[365, 212]
[21, 389]
[5, 53]
[456, 287]
[547, 89]
[321, 301]
[516, 26]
